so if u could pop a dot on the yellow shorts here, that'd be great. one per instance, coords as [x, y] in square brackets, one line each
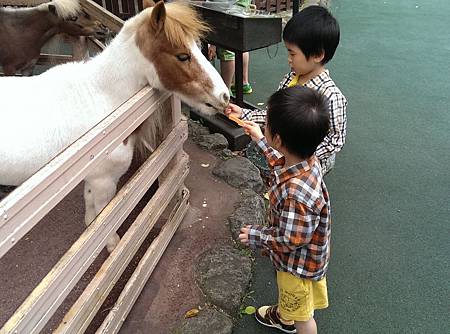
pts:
[298, 297]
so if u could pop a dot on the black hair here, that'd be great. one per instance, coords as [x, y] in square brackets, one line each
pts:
[299, 116]
[313, 30]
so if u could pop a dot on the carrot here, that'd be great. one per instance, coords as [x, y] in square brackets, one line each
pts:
[239, 121]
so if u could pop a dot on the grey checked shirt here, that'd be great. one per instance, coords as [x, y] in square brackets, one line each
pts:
[337, 103]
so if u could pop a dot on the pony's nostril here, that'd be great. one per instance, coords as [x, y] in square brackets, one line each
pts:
[226, 97]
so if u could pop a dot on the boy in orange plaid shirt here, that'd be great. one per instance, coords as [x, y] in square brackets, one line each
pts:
[298, 236]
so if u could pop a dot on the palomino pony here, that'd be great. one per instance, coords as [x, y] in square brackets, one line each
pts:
[43, 114]
[23, 31]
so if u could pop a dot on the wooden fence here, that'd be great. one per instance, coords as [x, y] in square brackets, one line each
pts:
[127, 8]
[26, 205]
[273, 6]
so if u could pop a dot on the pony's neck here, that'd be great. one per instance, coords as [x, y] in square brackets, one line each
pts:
[120, 69]
[42, 28]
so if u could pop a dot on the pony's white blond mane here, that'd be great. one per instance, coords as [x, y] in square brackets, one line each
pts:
[65, 8]
[183, 23]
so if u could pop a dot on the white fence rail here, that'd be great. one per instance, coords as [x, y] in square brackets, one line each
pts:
[29, 203]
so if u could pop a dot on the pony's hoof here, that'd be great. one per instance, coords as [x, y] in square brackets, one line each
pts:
[112, 243]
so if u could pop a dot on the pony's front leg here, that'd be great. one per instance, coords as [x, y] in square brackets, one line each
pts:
[89, 206]
[101, 184]
[97, 194]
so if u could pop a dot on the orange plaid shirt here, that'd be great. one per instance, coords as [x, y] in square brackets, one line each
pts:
[298, 236]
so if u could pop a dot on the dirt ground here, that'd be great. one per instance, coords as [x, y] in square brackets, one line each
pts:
[171, 289]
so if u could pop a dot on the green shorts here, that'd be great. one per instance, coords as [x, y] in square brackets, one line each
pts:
[225, 55]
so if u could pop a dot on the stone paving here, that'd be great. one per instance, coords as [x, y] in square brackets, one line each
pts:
[223, 273]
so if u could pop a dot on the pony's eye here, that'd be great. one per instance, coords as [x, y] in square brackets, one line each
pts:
[73, 18]
[183, 57]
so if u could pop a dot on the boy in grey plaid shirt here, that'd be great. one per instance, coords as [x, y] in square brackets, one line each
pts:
[298, 236]
[311, 38]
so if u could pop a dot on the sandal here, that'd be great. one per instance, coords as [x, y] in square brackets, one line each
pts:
[268, 316]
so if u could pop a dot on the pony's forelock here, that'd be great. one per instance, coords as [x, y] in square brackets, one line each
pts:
[183, 24]
[66, 8]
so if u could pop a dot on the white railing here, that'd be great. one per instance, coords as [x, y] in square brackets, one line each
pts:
[29, 203]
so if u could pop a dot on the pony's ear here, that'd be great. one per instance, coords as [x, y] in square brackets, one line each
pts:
[52, 9]
[158, 16]
[148, 3]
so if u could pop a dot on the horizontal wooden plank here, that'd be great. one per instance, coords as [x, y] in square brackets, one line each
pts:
[50, 59]
[136, 283]
[96, 43]
[26, 205]
[49, 294]
[83, 311]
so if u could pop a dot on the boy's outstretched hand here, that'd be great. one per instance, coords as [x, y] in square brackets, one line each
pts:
[253, 130]
[243, 236]
[234, 110]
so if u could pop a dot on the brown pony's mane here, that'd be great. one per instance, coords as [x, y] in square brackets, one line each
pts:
[64, 8]
[183, 23]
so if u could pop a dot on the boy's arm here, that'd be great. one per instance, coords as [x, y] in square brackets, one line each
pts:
[259, 115]
[255, 115]
[272, 155]
[295, 229]
[335, 139]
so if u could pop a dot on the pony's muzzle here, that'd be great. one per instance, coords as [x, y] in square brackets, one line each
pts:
[102, 31]
[224, 100]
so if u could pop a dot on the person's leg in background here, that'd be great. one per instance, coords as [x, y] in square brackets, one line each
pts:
[246, 83]
[227, 66]
[227, 63]
[246, 86]
[227, 71]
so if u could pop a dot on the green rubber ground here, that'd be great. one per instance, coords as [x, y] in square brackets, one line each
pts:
[390, 189]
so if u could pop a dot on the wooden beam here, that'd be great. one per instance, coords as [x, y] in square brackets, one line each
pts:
[25, 206]
[111, 21]
[40, 305]
[137, 281]
[83, 311]
[97, 44]
[49, 59]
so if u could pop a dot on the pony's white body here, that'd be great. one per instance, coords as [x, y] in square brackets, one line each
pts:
[42, 115]
[58, 111]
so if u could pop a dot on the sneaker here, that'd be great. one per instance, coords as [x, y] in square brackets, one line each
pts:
[246, 89]
[268, 316]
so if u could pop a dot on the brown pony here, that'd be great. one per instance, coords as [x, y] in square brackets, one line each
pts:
[23, 31]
